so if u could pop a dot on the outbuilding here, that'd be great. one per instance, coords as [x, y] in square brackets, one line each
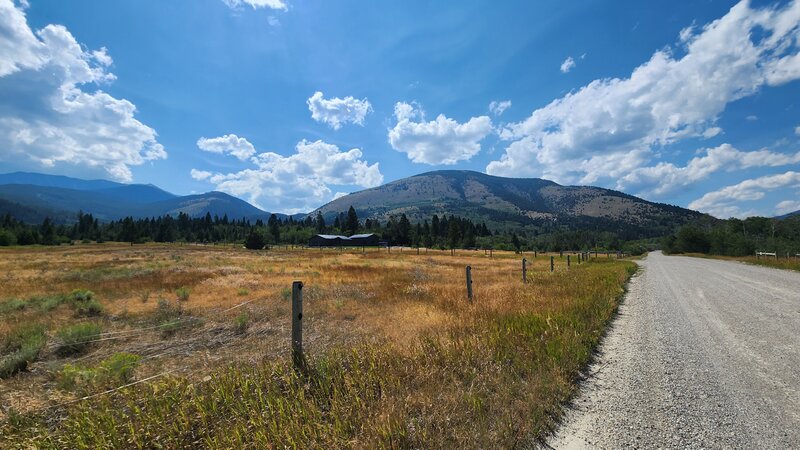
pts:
[334, 240]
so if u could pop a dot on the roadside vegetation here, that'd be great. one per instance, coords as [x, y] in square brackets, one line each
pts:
[397, 356]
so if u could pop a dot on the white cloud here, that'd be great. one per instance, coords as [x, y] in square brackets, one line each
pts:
[296, 183]
[228, 144]
[255, 4]
[726, 201]
[499, 107]
[752, 118]
[200, 175]
[787, 206]
[567, 65]
[48, 120]
[667, 99]
[797, 130]
[440, 141]
[665, 177]
[338, 111]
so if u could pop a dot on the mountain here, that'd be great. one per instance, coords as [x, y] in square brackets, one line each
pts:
[507, 203]
[31, 197]
[58, 181]
[788, 215]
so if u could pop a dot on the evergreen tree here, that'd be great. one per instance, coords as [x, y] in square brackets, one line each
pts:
[320, 223]
[274, 228]
[352, 221]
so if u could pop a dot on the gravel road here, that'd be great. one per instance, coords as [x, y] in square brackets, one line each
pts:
[704, 354]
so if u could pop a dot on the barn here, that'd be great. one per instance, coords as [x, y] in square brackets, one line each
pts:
[364, 240]
[333, 240]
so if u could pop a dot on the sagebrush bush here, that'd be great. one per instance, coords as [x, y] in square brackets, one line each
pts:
[21, 347]
[84, 302]
[76, 339]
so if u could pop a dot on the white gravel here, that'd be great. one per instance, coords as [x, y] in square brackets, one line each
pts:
[703, 354]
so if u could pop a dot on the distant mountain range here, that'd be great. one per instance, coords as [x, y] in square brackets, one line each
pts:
[32, 196]
[791, 214]
[502, 203]
[513, 202]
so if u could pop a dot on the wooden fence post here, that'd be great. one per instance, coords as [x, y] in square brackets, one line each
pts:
[524, 270]
[552, 263]
[567, 262]
[469, 283]
[297, 325]
[534, 254]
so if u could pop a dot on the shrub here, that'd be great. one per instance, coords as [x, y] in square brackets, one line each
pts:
[21, 347]
[182, 293]
[243, 292]
[255, 240]
[7, 237]
[84, 303]
[242, 322]
[75, 339]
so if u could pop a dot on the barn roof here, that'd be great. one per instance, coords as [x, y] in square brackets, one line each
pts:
[336, 236]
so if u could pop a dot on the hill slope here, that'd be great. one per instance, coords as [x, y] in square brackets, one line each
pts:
[512, 202]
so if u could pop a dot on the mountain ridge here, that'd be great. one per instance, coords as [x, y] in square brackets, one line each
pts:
[512, 203]
[35, 196]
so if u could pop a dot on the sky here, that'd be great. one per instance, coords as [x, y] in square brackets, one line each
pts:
[291, 103]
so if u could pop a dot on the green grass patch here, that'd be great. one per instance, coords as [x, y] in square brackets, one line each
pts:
[76, 339]
[21, 347]
[114, 371]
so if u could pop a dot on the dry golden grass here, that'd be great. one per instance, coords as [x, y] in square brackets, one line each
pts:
[402, 318]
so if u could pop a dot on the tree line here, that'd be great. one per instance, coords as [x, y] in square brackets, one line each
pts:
[446, 231]
[737, 237]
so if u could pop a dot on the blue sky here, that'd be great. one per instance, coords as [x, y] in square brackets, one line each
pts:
[288, 103]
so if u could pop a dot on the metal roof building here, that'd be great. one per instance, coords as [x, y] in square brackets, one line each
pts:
[333, 240]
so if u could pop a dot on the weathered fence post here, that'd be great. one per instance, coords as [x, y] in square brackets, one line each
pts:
[534, 254]
[579, 258]
[561, 253]
[567, 262]
[469, 283]
[297, 325]
[524, 270]
[552, 263]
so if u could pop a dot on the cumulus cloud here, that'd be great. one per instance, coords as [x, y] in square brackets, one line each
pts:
[666, 177]
[338, 111]
[726, 201]
[498, 108]
[787, 206]
[567, 65]
[678, 94]
[255, 4]
[440, 141]
[299, 182]
[229, 144]
[48, 120]
[797, 130]
[200, 175]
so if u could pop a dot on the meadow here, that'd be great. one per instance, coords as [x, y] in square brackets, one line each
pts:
[120, 346]
[781, 262]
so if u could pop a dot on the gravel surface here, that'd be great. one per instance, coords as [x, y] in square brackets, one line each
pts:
[703, 354]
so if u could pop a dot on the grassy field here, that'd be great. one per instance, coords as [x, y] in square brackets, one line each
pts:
[199, 335]
[791, 263]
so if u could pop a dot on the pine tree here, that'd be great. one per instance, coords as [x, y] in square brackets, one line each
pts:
[352, 221]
